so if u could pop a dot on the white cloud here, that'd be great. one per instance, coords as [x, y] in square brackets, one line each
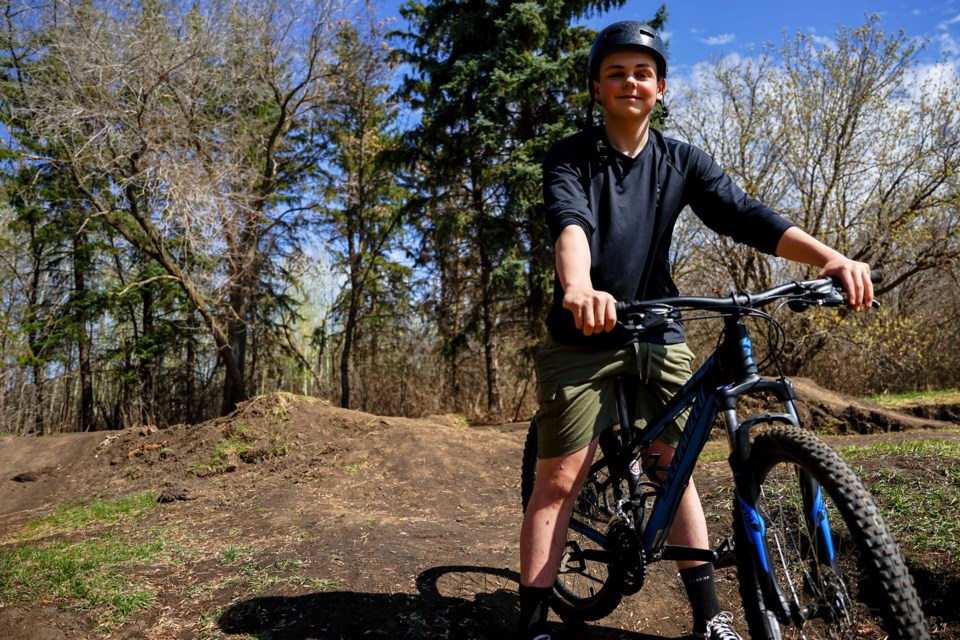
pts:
[823, 41]
[931, 79]
[946, 24]
[948, 45]
[722, 39]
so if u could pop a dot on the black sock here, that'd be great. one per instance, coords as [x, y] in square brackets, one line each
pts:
[534, 606]
[702, 592]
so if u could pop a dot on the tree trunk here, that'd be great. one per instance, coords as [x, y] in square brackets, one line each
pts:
[145, 360]
[489, 315]
[81, 263]
[348, 334]
[191, 371]
[33, 339]
[234, 391]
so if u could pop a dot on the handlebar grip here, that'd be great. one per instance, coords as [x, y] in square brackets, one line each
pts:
[876, 277]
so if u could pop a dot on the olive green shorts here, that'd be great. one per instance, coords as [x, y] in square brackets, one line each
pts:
[577, 395]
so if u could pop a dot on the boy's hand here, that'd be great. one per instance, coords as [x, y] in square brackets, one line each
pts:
[855, 277]
[593, 311]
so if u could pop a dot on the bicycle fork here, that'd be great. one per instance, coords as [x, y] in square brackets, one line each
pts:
[752, 520]
[747, 499]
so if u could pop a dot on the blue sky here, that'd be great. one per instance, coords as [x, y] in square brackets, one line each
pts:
[698, 30]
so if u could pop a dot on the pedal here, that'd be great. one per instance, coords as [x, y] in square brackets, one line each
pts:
[572, 560]
[725, 554]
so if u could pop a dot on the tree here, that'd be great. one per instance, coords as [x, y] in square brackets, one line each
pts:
[479, 144]
[869, 162]
[188, 130]
[363, 201]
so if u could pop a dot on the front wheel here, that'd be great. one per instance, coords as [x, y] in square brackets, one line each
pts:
[837, 566]
[588, 586]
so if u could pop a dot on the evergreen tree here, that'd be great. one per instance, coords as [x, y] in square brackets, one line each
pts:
[495, 83]
[363, 199]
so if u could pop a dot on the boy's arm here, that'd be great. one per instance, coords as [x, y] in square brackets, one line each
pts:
[593, 311]
[799, 246]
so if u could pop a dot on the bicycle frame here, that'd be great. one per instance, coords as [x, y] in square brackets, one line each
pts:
[729, 372]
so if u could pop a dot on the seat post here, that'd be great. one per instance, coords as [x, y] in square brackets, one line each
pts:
[623, 413]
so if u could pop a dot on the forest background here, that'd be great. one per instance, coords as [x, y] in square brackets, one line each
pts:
[207, 201]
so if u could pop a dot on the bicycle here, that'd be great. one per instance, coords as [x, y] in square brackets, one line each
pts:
[814, 556]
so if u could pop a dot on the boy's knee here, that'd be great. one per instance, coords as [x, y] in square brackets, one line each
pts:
[557, 478]
[554, 487]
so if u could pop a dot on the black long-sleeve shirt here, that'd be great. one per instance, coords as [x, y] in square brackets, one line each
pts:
[628, 208]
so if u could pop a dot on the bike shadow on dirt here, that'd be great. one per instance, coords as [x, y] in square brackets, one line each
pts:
[462, 602]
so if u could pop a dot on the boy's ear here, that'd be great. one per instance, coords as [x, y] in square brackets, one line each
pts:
[596, 91]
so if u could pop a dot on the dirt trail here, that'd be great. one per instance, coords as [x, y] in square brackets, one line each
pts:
[291, 519]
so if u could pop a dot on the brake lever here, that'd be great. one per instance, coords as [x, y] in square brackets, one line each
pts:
[833, 299]
[632, 326]
[640, 322]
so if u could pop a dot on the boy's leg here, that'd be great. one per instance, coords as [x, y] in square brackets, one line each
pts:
[575, 394]
[544, 527]
[690, 530]
[689, 525]
[665, 369]
[544, 531]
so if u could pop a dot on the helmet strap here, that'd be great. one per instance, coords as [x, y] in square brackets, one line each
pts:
[664, 110]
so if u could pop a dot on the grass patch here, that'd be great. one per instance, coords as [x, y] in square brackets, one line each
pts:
[231, 554]
[241, 444]
[239, 441]
[358, 466]
[943, 396]
[922, 512]
[905, 449]
[279, 446]
[925, 518]
[89, 573]
[76, 514]
[281, 573]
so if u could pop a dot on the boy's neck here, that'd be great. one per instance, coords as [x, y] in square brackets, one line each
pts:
[627, 137]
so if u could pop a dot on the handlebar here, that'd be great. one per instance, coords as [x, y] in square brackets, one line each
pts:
[646, 314]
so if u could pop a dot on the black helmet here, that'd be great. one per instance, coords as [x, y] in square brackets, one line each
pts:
[625, 36]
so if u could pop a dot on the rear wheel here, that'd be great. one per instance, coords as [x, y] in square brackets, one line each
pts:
[588, 586]
[836, 564]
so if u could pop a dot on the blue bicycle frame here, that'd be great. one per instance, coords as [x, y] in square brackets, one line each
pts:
[706, 394]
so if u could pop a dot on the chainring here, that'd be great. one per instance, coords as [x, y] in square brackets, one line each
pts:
[623, 542]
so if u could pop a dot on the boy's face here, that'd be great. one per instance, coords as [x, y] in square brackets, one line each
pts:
[628, 86]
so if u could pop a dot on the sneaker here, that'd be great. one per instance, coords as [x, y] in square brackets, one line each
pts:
[720, 627]
[539, 632]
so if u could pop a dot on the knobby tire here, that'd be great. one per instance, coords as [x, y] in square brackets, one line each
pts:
[869, 595]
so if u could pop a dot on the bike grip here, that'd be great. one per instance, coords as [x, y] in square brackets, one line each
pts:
[876, 276]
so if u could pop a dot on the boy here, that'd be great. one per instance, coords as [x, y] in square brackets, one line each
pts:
[613, 194]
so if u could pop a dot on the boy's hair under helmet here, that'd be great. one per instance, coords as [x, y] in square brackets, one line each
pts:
[626, 36]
